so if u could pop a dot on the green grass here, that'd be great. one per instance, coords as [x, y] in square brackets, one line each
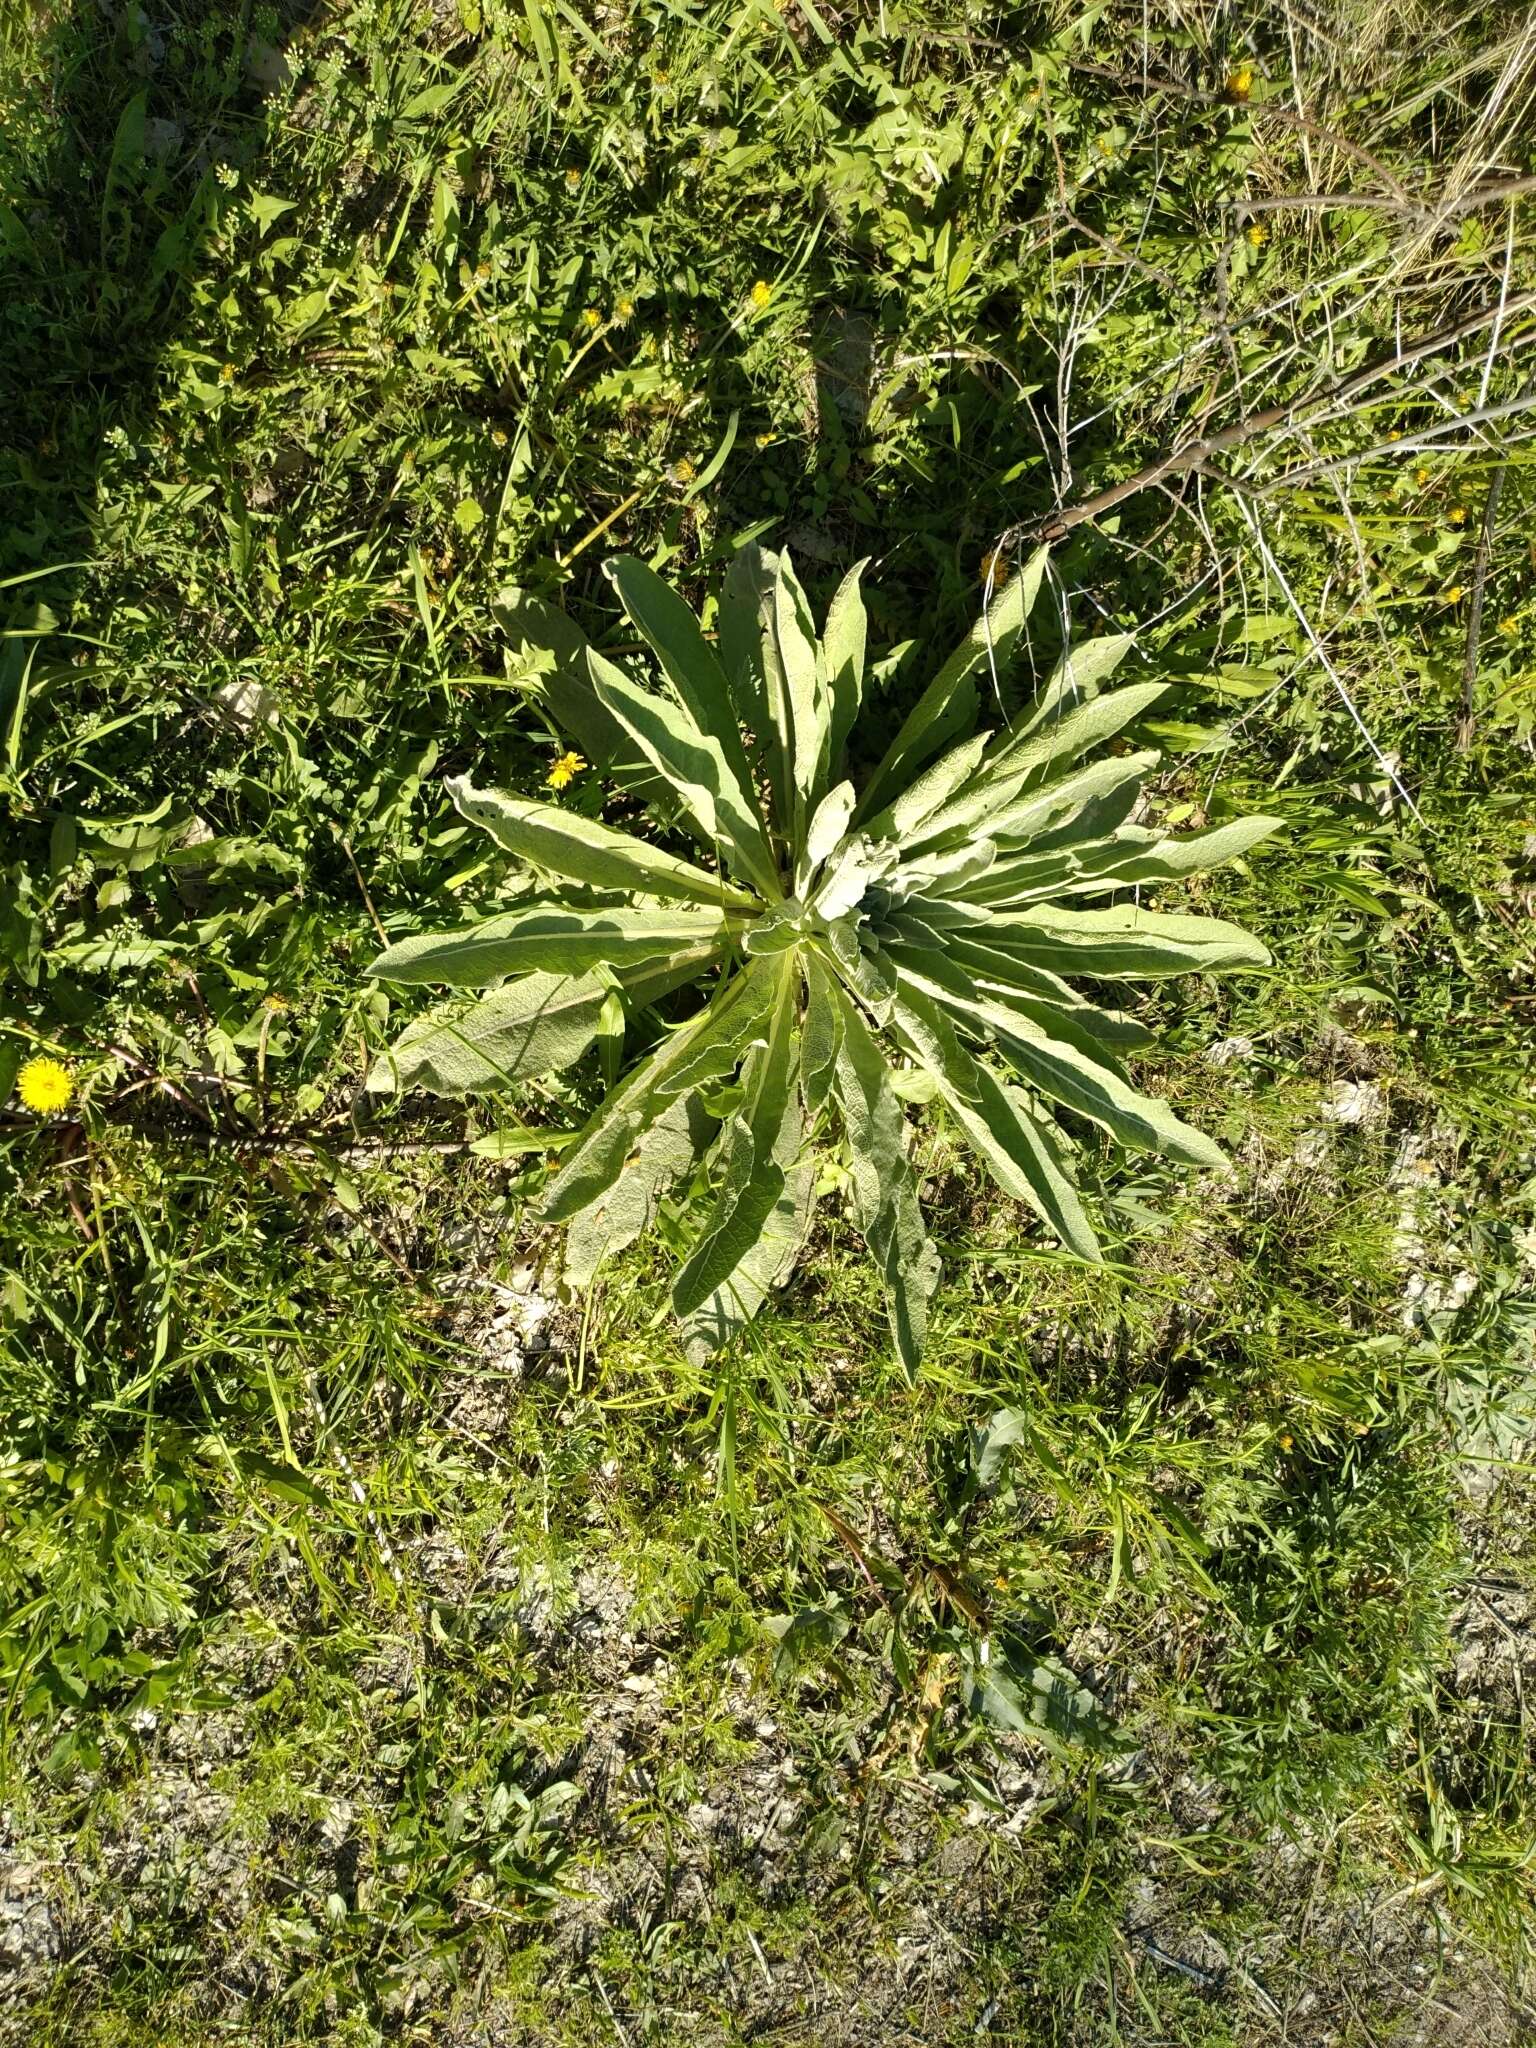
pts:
[364, 1681]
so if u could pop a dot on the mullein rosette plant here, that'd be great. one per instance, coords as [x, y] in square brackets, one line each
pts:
[852, 948]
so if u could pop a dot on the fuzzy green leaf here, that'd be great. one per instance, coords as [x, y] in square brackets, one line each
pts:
[562, 842]
[694, 763]
[552, 938]
[532, 1027]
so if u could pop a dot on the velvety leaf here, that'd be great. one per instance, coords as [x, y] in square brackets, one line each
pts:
[1125, 942]
[709, 1046]
[949, 704]
[690, 664]
[545, 936]
[884, 1186]
[695, 765]
[843, 652]
[562, 842]
[623, 1211]
[532, 1027]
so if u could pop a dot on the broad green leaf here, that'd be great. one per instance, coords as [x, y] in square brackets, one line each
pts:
[754, 1175]
[532, 1027]
[745, 613]
[950, 701]
[695, 765]
[932, 789]
[1027, 1694]
[1018, 764]
[709, 1046]
[768, 1264]
[549, 659]
[1022, 1154]
[824, 834]
[1076, 1078]
[552, 938]
[1086, 803]
[562, 842]
[819, 1037]
[616, 1217]
[1078, 677]
[797, 705]
[884, 1186]
[1166, 860]
[691, 665]
[843, 652]
[1123, 943]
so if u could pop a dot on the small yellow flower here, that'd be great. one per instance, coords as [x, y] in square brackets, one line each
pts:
[762, 292]
[1106, 145]
[227, 374]
[624, 310]
[1454, 594]
[572, 180]
[684, 470]
[1421, 478]
[1256, 234]
[44, 1086]
[592, 318]
[482, 272]
[1240, 82]
[565, 771]
[499, 437]
[1509, 627]
[765, 440]
[1287, 1441]
[1457, 515]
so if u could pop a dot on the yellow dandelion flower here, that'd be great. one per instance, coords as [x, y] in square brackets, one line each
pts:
[1454, 594]
[683, 470]
[227, 374]
[1509, 627]
[592, 318]
[762, 292]
[1106, 145]
[499, 436]
[482, 272]
[624, 310]
[572, 180]
[44, 1086]
[1240, 82]
[765, 440]
[1256, 234]
[1421, 478]
[565, 771]
[1287, 1441]
[1457, 515]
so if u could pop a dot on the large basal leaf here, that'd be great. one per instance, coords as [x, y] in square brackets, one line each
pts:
[533, 1027]
[705, 1049]
[753, 1177]
[843, 650]
[623, 1211]
[549, 937]
[949, 705]
[884, 1186]
[1124, 943]
[694, 763]
[562, 842]
[549, 659]
[1022, 1156]
[690, 664]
